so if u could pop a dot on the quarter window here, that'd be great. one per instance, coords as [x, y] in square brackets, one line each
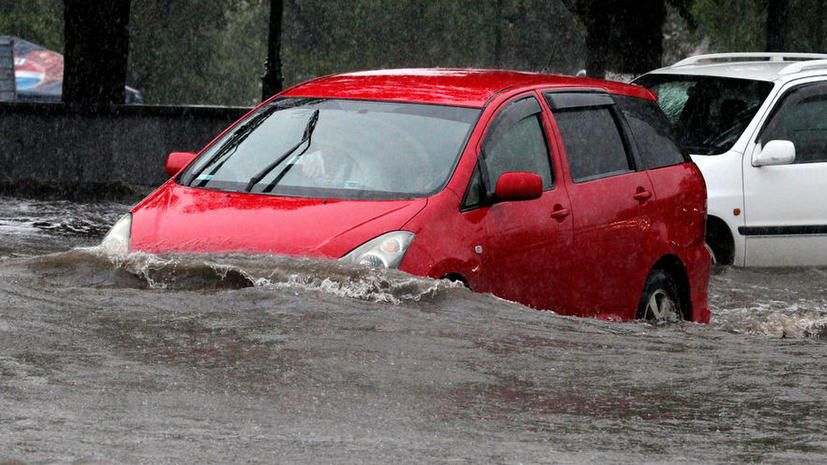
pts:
[651, 131]
[594, 146]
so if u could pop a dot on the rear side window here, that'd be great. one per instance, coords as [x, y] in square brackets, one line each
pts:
[594, 146]
[651, 131]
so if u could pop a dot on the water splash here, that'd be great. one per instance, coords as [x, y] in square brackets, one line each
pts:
[779, 303]
[93, 267]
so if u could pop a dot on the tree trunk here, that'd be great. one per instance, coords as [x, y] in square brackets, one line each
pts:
[621, 36]
[597, 43]
[643, 26]
[96, 37]
[778, 12]
[272, 81]
[817, 44]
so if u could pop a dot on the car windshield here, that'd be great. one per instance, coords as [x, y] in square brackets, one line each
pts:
[328, 148]
[707, 113]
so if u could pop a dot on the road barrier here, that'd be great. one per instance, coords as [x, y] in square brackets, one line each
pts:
[114, 151]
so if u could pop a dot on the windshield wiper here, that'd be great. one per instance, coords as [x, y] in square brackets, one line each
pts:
[308, 133]
[230, 146]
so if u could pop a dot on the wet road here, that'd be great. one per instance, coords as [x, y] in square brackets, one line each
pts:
[228, 359]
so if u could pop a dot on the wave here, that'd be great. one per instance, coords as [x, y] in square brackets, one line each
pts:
[776, 319]
[92, 267]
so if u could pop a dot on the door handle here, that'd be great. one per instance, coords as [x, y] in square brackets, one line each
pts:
[559, 212]
[642, 194]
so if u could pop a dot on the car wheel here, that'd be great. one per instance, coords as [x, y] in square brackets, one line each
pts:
[719, 242]
[711, 253]
[659, 301]
[716, 267]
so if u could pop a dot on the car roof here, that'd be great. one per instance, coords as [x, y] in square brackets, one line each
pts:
[754, 66]
[459, 87]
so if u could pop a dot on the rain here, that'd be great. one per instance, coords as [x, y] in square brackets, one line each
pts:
[228, 357]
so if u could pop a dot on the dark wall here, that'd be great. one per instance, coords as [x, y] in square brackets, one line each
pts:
[59, 151]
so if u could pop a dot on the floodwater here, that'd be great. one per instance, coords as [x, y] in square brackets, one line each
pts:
[249, 359]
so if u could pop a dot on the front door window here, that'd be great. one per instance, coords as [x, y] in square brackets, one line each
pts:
[802, 118]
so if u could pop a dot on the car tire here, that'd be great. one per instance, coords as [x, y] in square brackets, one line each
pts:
[719, 242]
[660, 302]
[715, 268]
[711, 253]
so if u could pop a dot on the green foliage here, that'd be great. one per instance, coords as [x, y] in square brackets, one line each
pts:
[194, 51]
[740, 25]
[213, 51]
[326, 37]
[200, 51]
[38, 21]
[731, 25]
[806, 31]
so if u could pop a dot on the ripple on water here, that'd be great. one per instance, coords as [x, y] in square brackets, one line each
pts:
[207, 358]
[774, 303]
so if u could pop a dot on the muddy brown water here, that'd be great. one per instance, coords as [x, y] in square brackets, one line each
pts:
[253, 359]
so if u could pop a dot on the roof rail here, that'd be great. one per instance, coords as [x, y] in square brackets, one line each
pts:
[804, 66]
[749, 56]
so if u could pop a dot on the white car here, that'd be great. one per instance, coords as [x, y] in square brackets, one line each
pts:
[756, 126]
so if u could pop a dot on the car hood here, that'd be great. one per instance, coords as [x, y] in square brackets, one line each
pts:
[183, 219]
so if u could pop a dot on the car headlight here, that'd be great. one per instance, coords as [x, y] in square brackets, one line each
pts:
[117, 239]
[385, 251]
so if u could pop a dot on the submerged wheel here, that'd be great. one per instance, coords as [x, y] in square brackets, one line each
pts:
[719, 242]
[659, 301]
[711, 253]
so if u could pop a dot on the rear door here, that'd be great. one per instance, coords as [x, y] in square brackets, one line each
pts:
[525, 256]
[677, 183]
[612, 203]
[785, 206]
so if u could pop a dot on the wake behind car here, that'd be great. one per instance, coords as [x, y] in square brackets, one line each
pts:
[756, 124]
[560, 193]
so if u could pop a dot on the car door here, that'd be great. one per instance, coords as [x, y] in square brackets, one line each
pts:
[526, 248]
[785, 211]
[612, 203]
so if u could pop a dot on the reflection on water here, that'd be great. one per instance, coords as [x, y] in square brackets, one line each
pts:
[217, 359]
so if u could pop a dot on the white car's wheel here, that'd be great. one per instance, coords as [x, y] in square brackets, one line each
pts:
[711, 253]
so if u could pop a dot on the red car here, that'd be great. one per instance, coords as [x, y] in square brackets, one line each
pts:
[557, 192]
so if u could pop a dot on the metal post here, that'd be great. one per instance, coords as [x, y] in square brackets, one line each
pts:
[8, 86]
[271, 81]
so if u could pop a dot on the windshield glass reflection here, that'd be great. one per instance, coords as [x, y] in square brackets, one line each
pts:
[337, 149]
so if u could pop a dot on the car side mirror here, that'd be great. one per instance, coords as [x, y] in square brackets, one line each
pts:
[775, 152]
[176, 161]
[518, 186]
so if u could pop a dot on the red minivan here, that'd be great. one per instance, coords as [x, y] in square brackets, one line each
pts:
[560, 193]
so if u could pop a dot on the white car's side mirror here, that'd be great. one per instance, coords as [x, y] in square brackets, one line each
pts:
[775, 152]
